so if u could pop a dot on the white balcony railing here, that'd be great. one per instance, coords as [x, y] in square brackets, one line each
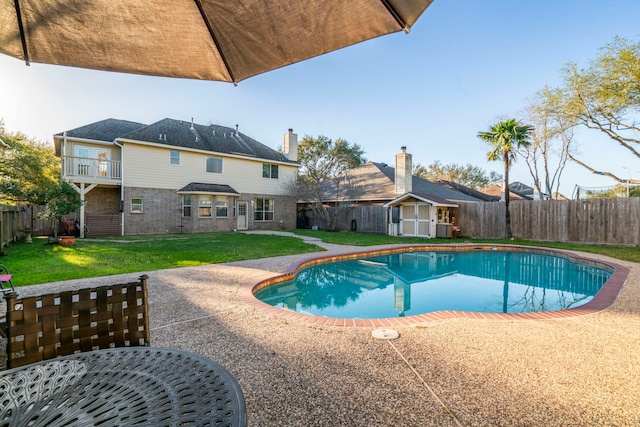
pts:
[83, 167]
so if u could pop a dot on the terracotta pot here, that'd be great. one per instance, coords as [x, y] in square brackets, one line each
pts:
[67, 240]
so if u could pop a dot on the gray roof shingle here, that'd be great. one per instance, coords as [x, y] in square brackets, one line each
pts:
[203, 187]
[105, 130]
[212, 138]
[424, 187]
[178, 133]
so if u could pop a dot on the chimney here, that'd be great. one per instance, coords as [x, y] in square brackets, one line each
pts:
[290, 146]
[403, 172]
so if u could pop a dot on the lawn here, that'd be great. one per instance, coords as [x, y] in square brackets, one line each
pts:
[40, 262]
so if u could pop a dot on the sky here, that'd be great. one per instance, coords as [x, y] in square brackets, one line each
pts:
[465, 65]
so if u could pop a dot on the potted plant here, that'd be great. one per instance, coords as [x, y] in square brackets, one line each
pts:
[67, 240]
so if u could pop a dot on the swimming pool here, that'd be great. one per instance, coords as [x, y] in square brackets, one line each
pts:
[424, 280]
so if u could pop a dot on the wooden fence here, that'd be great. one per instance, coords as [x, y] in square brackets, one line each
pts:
[609, 221]
[14, 220]
[613, 221]
[8, 225]
[368, 219]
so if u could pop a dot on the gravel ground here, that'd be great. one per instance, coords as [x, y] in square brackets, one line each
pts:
[578, 371]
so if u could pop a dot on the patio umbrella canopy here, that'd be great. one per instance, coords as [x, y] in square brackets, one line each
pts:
[224, 40]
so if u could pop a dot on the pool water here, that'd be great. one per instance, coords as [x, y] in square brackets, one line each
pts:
[410, 283]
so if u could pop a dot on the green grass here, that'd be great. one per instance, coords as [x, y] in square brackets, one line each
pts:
[40, 262]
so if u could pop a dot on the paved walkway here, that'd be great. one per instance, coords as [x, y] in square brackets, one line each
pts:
[308, 239]
[578, 371]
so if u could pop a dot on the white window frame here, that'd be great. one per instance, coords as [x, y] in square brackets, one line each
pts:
[222, 203]
[186, 206]
[174, 157]
[260, 214]
[268, 169]
[207, 164]
[204, 202]
[136, 208]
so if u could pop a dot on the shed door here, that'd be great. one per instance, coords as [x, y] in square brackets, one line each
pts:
[423, 221]
[408, 220]
[415, 220]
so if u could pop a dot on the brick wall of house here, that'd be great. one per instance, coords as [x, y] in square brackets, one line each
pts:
[284, 212]
[162, 214]
[103, 200]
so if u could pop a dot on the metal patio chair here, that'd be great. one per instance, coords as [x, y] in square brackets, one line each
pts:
[46, 326]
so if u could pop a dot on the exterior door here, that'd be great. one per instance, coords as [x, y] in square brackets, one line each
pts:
[243, 218]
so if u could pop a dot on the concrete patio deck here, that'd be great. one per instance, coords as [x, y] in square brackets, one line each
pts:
[576, 371]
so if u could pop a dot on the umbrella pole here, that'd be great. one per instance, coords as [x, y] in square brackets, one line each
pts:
[22, 36]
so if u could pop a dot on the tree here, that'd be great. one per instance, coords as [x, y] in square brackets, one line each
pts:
[605, 97]
[505, 138]
[30, 173]
[28, 169]
[551, 138]
[470, 176]
[323, 179]
[619, 190]
[62, 199]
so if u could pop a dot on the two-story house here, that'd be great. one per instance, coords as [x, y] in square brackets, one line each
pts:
[176, 176]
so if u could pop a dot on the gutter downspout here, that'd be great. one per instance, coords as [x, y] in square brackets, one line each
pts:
[63, 153]
[115, 141]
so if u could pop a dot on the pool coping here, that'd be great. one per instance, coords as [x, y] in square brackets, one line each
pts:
[601, 301]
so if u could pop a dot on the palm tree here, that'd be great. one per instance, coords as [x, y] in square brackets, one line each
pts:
[505, 138]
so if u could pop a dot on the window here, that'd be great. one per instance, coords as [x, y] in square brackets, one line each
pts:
[263, 210]
[204, 206]
[395, 214]
[174, 157]
[214, 164]
[186, 205]
[222, 207]
[136, 205]
[269, 171]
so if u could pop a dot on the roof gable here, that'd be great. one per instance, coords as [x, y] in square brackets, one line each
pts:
[426, 198]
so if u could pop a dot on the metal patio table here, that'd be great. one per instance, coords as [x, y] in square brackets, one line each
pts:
[130, 386]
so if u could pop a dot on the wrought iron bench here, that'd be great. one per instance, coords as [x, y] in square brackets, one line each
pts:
[46, 326]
